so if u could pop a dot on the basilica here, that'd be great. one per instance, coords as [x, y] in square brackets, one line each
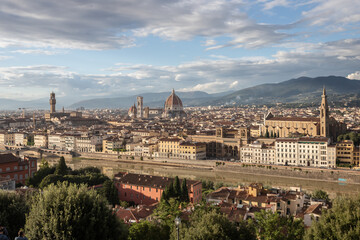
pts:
[323, 126]
[173, 108]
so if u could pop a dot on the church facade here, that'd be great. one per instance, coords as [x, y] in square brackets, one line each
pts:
[323, 126]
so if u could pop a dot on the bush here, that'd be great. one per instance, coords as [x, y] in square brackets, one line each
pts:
[69, 211]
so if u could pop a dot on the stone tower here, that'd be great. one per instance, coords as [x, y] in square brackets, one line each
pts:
[324, 116]
[52, 102]
[140, 107]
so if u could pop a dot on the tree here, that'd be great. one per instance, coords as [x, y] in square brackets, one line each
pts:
[110, 192]
[39, 176]
[320, 194]
[272, 226]
[184, 192]
[170, 191]
[13, 208]
[177, 187]
[70, 211]
[146, 230]
[44, 163]
[341, 222]
[61, 168]
[214, 225]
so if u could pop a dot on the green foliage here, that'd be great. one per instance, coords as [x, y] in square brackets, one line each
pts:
[90, 179]
[110, 192]
[177, 191]
[146, 230]
[13, 208]
[176, 186]
[66, 211]
[219, 185]
[272, 226]
[353, 136]
[341, 222]
[206, 225]
[320, 194]
[39, 176]
[61, 168]
[86, 170]
[44, 163]
[184, 192]
[167, 211]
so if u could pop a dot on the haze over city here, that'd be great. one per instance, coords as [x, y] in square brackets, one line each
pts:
[89, 49]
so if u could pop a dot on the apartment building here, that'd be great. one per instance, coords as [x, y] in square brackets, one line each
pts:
[169, 147]
[56, 141]
[192, 151]
[306, 151]
[13, 167]
[40, 140]
[258, 152]
[347, 153]
[147, 189]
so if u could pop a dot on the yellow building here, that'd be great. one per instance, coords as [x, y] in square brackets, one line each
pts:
[169, 147]
[112, 144]
[346, 152]
[193, 151]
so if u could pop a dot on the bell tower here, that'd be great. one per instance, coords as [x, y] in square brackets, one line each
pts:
[140, 107]
[52, 102]
[324, 115]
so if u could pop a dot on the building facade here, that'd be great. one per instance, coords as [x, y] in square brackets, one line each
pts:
[12, 167]
[323, 126]
[147, 189]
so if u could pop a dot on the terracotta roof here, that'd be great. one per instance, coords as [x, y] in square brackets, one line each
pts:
[173, 101]
[148, 180]
[296, 119]
[8, 157]
[315, 209]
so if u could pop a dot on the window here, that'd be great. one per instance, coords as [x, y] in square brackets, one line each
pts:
[7, 169]
[125, 194]
[288, 202]
[15, 168]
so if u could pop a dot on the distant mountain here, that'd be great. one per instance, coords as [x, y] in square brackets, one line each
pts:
[150, 99]
[299, 90]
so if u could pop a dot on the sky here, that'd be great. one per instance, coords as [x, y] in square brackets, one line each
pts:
[83, 49]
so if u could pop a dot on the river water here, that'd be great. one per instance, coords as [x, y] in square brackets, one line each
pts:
[228, 178]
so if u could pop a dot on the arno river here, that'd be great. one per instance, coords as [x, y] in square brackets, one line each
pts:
[228, 178]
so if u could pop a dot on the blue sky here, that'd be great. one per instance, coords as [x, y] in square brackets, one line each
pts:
[85, 49]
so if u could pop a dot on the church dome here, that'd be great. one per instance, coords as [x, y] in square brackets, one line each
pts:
[173, 102]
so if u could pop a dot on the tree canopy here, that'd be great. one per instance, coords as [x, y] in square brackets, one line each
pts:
[211, 224]
[70, 211]
[341, 222]
[272, 226]
[320, 194]
[61, 168]
[13, 208]
[110, 192]
[146, 230]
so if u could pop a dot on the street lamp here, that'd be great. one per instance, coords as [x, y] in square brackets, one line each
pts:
[177, 224]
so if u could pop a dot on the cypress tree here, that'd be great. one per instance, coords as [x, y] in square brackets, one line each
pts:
[184, 191]
[177, 187]
[171, 191]
[61, 168]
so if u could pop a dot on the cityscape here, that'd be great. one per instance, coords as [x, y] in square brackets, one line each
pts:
[180, 120]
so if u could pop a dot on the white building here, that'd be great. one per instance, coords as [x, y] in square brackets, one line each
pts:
[20, 139]
[55, 142]
[305, 151]
[40, 140]
[258, 153]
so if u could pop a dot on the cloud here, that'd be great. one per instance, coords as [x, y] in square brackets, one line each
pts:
[333, 13]
[110, 24]
[211, 75]
[39, 52]
[354, 76]
[5, 57]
